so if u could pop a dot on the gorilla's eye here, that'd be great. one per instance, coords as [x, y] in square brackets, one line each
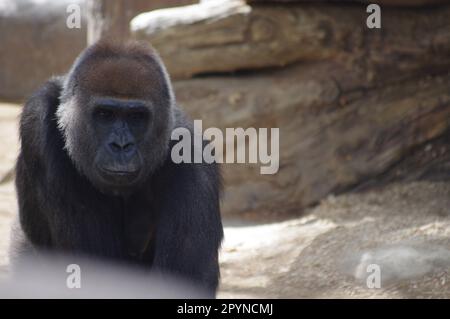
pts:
[138, 115]
[104, 114]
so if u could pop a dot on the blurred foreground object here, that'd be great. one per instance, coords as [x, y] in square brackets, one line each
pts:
[50, 277]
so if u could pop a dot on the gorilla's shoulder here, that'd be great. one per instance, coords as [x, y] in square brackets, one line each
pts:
[42, 103]
[38, 118]
[207, 173]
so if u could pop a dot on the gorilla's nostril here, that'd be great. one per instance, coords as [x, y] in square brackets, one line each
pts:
[118, 147]
[115, 147]
[128, 147]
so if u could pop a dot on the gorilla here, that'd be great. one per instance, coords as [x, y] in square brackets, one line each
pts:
[94, 176]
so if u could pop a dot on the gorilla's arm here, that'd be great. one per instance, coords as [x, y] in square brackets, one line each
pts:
[189, 197]
[189, 230]
[31, 170]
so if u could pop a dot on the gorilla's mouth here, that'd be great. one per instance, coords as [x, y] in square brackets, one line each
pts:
[119, 172]
[122, 176]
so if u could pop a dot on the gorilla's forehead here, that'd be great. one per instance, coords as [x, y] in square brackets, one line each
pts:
[123, 77]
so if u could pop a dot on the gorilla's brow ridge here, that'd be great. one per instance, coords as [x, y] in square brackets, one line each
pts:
[110, 102]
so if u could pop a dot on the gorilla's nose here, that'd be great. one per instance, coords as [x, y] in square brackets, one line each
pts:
[121, 146]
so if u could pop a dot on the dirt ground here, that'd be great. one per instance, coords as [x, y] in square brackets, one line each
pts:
[402, 228]
[405, 229]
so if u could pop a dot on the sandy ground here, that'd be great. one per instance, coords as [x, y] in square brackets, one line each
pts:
[402, 229]
[8, 151]
[405, 229]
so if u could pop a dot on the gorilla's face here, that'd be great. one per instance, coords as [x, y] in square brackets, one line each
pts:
[116, 116]
[120, 127]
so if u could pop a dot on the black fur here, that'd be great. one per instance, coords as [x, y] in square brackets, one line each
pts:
[170, 223]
